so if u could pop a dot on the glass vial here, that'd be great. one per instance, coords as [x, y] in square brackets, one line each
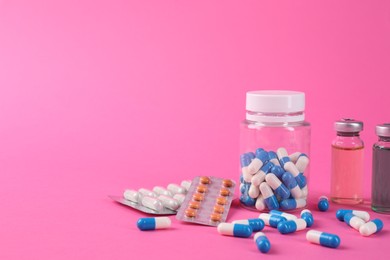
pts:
[347, 163]
[380, 192]
[274, 119]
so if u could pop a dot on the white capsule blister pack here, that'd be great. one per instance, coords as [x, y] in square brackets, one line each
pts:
[158, 201]
[207, 201]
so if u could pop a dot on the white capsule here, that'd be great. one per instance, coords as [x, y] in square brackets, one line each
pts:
[372, 227]
[186, 185]
[285, 161]
[254, 191]
[254, 166]
[131, 195]
[162, 191]
[302, 163]
[258, 178]
[266, 190]
[174, 188]
[294, 157]
[353, 221]
[169, 202]
[152, 203]
[260, 204]
[247, 176]
[146, 192]
[283, 214]
[179, 197]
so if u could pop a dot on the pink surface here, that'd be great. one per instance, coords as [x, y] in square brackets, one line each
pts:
[99, 96]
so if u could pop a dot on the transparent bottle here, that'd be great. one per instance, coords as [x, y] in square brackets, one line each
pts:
[380, 192]
[274, 119]
[347, 163]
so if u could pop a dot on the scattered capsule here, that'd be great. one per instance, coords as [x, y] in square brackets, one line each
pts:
[353, 221]
[323, 203]
[308, 217]
[146, 192]
[291, 226]
[256, 223]
[271, 220]
[358, 213]
[162, 191]
[262, 242]
[260, 204]
[283, 214]
[236, 230]
[179, 197]
[152, 203]
[289, 204]
[273, 157]
[153, 223]
[131, 195]
[247, 201]
[323, 239]
[371, 227]
[186, 185]
[279, 188]
[169, 202]
[269, 197]
[174, 188]
[258, 162]
[290, 182]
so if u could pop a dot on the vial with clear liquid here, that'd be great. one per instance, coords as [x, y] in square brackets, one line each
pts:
[347, 163]
[380, 192]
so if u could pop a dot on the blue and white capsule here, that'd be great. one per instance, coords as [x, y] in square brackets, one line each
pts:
[278, 171]
[290, 226]
[245, 160]
[358, 213]
[283, 214]
[273, 157]
[259, 177]
[291, 183]
[323, 239]
[371, 227]
[353, 221]
[289, 204]
[260, 159]
[262, 242]
[308, 217]
[269, 197]
[247, 201]
[290, 167]
[302, 162]
[271, 220]
[279, 188]
[260, 204]
[235, 230]
[254, 191]
[145, 224]
[256, 223]
[323, 203]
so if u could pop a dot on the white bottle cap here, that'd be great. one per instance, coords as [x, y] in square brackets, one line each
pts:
[275, 106]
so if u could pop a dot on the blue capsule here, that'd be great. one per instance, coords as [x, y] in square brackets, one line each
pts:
[278, 171]
[291, 226]
[262, 155]
[323, 239]
[289, 204]
[269, 198]
[245, 160]
[271, 220]
[359, 213]
[371, 227]
[256, 223]
[236, 230]
[308, 217]
[247, 201]
[153, 223]
[323, 203]
[262, 242]
[301, 180]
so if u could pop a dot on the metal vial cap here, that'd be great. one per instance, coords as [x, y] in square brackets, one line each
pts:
[383, 130]
[348, 125]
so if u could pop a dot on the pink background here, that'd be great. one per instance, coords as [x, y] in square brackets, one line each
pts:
[99, 96]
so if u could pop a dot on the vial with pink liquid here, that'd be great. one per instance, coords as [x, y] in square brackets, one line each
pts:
[347, 163]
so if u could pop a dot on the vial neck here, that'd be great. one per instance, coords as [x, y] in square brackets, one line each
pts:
[348, 134]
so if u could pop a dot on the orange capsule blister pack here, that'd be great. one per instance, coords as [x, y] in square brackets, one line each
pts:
[207, 201]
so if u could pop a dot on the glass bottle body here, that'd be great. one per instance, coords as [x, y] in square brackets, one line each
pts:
[347, 169]
[380, 192]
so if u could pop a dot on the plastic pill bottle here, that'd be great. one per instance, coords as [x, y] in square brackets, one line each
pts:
[347, 163]
[380, 192]
[274, 119]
